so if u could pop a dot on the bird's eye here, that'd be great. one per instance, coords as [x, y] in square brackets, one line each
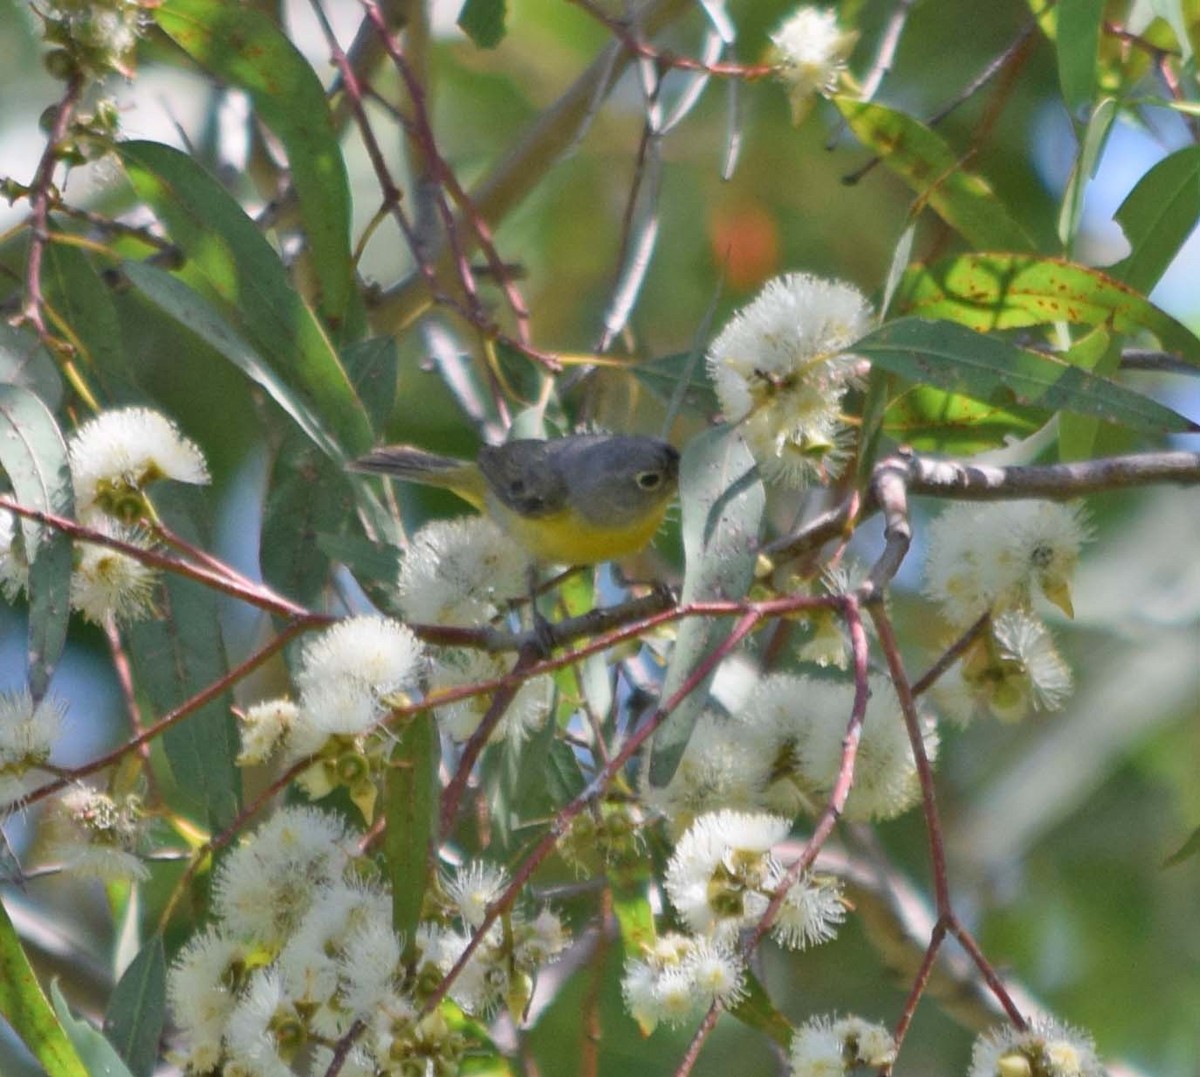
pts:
[649, 480]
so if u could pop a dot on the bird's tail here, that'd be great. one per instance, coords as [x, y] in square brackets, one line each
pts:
[410, 464]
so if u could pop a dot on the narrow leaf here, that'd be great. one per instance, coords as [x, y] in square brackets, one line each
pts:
[925, 161]
[228, 258]
[723, 501]
[98, 1055]
[177, 656]
[1011, 291]
[137, 1009]
[1097, 353]
[756, 1009]
[24, 362]
[373, 365]
[410, 807]
[1158, 216]
[25, 1007]
[34, 456]
[192, 311]
[244, 48]
[1077, 44]
[991, 370]
[932, 419]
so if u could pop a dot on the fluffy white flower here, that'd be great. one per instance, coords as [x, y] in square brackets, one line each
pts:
[679, 978]
[264, 888]
[781, 368]
[992, 557]
[202, 988]
[263, 726]
[264, 1029]
[810, 52]
[27, 735]
[460, 572]
[828, 1047]
[94, 835]
[110, 583]
[885, 770]
[381, 654]
[457, 668]
[117, 454]
[473, 887]
[1026, 643]
[719, 876]
[810, 913]
[1047, 1046]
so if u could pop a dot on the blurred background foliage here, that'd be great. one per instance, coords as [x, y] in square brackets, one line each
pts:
[1058, 829]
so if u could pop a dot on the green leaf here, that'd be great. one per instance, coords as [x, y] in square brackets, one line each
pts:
[722, 499]
[177, 656]
[243, 47]
[34, 456]
[1077, 433]
[25, 1007]
[98, 1055]
[195, 313]
[993, 371]
[756, 1009]
[83, 303]
[372, 365]
[410, 807]
[1010, 291]
[228, 258]
[24, 362]
[309, 496]
[483, 21]
[925, 161]
[1158, 216]
[136, 1011]
[1095, 138]
[932, 419]
[1077, 44]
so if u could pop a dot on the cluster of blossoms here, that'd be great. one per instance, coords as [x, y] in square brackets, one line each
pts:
[303, 948]
[720, 879]
[113, 459]
[809, 53]
[781, 368]
[1047, 1048]
[466, 573]
[828, 1047]
[348, 677]
[995, 559]
[27, 736]
[92, 37]
[782, 750]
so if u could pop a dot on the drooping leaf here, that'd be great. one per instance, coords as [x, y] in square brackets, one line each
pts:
[97, 1054]
[34, 457]
[1009, 291]
[1158, 216]
[483, 21]
[229, 259]
[993, 371]
[192, 311]
[177, 656]
[723, 500]
[1077, 44]
[1091, 149]
[136, 1011]
[925, 161]
[82, 307]
[410, 807]
[244, 48]
[27, 1011]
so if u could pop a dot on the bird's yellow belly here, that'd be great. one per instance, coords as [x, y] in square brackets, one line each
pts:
[566, 538]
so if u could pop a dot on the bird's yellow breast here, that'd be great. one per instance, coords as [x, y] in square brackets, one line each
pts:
[566, 538]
